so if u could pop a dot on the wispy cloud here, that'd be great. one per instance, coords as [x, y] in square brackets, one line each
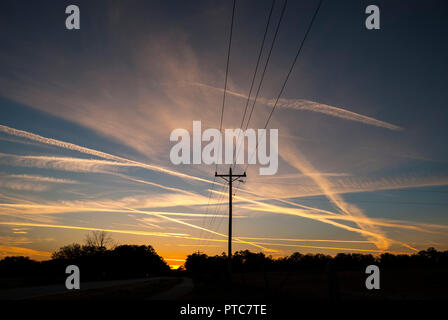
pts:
[12, 241]
[40, 178]
[23, 186]
[16, 251]
[26, 182]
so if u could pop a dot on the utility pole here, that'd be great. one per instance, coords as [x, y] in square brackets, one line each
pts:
[231, 178]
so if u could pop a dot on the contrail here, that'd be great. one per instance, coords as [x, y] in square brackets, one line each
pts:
[63, 163]
[302, 104]
[322, 218]
[307, 105]
[296, 159]
[319, 217]
[29, 177]
[325, 218]
[335, 216]
[104, 155]
[135, 232]
[194, 226]
[81, 165]
[303, 246]
[155, 184]
[54, 209]
[306, 240]
[329, 248]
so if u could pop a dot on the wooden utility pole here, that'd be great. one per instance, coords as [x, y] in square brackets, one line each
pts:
[231, 177]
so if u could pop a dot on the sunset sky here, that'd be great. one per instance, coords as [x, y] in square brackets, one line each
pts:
[86, 116]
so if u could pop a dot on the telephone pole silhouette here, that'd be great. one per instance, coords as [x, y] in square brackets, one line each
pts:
[230, 178]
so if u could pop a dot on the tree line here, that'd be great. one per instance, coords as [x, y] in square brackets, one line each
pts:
[247, 261]
[100, 259]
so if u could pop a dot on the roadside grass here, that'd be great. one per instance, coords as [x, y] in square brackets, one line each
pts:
[136, 291]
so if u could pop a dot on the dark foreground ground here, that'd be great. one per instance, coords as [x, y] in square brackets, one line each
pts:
[396, 285]
[422, 284]
[286, 295]
[132, 289]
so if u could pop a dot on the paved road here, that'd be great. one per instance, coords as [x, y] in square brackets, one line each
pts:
[176, 292]
[33, 292]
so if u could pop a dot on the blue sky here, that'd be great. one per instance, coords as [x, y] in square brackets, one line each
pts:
[362, 126]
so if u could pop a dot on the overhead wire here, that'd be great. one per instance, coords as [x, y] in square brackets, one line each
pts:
[261, 79]
[256, 69]
[287, 77]
[224, 95]
[294, 62]
[255, 73]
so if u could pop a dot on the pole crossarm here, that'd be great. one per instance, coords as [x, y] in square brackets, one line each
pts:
[230, 176]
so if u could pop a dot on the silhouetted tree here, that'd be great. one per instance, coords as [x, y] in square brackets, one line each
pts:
[200, 262]
[98, 262]
[98, 239]
[70, 252]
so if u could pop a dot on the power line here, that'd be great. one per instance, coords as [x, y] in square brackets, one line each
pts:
[289, 73]
[256, 67]
[260, 52]
[294, 62]
[208, 204]
[262, 77]
[224, 94]
[218, 205]
[252, 84]
[267, 61]
[227, 68]
[220, 221]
